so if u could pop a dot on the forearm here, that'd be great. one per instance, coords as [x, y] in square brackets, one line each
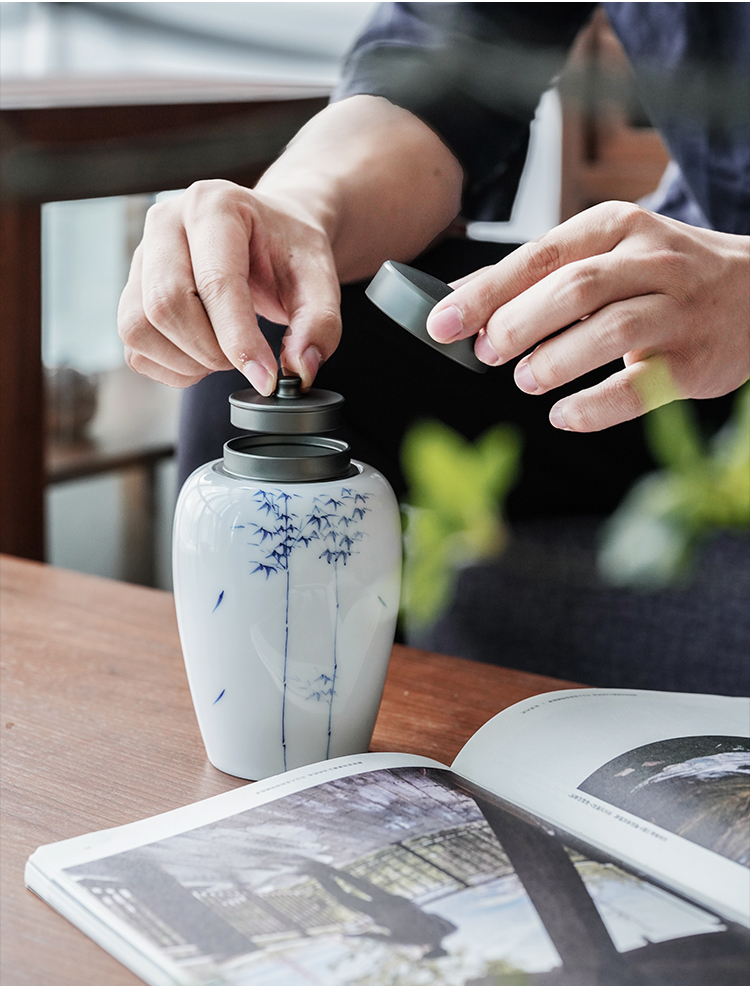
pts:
[379, 182]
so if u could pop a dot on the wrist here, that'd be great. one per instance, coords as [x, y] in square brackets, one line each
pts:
[305, 195]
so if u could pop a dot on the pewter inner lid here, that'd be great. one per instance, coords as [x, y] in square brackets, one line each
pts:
[289, 410]
[407, 296]
[287, 458]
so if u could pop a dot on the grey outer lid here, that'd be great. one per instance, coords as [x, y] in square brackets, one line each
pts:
[407, 296]
[287, 458]
[289, 410]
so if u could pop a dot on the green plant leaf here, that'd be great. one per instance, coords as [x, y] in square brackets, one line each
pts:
[652, 537]
[673, 436]
[454, 510]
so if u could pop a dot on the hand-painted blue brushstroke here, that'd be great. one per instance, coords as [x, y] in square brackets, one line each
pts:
[218, 602]
[280, 530]
[283, 532]
[221, 695]
[339, 552]
[382, 602]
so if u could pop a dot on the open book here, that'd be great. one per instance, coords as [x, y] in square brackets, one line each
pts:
[580, 838]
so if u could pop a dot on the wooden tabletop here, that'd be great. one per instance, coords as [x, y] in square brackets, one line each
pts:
[98, 730]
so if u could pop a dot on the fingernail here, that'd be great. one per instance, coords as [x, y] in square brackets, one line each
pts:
[524, 377]
[259, 377]
[310, 361]
[445, 325]
[557, 419]
[485, 351]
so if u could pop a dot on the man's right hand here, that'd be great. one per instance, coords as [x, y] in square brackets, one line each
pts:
[363, 181]
[210, 260]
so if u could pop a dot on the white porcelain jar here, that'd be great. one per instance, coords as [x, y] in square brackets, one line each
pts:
[287, 564]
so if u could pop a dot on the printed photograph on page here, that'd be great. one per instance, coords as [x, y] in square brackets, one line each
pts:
[697, 787]
[397, 877]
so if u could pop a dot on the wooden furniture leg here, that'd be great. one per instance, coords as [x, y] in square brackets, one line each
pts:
[21, 382]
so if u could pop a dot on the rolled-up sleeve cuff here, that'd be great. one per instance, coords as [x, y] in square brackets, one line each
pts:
[474, 82]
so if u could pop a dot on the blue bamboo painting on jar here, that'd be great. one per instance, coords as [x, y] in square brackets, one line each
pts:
[329, 530]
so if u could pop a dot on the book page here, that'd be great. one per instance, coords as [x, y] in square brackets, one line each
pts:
[109, 842]
[381, 870]
[658, 780]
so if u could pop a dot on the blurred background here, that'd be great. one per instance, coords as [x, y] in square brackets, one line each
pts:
[98, 521]
[96, 72]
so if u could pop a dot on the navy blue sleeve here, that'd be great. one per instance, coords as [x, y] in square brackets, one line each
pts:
[692, 66]
[474, 72]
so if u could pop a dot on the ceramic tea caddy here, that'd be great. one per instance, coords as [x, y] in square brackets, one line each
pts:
[287, 563]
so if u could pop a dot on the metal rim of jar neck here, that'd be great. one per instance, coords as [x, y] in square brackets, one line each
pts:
[281, 457]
